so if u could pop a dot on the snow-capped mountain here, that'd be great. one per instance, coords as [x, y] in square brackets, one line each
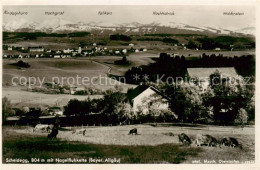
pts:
[247, 30]
[60, 25]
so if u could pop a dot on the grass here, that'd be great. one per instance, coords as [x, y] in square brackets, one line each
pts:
[48, 70]
[158, 144]
[27, 147]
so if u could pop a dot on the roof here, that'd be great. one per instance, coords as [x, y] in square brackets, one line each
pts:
[206, 72]
[141, 88]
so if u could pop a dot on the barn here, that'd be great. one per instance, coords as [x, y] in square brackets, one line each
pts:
[203, 74]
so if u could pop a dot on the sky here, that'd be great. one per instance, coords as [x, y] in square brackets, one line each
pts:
[191, 15]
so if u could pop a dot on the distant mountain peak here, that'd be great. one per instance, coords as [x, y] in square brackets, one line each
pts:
[58, 25]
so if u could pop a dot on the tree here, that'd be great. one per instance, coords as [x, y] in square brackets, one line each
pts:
[187, 102]
[242, 117]
[78, 108]
[109, 104]
[6, 109]
[153, 109]
[191, 45]
[124, 112]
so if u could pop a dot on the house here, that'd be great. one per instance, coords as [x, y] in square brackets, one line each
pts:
[203, 74]
[131, 44]
[74, 53]
[10, 48]
[55, 111]
[36, 49]
[144, 96]
[57, 56]
[74, 89]
[136, 50]
[124, 51]
[217, 49]
[58, 52]
[66, 55]
[67, 50]
[79, 50]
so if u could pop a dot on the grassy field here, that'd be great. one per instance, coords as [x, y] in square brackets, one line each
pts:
[20, 98]
[152, 144]
[47, 70]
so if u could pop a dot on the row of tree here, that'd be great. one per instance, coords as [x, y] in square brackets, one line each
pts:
[176, 67]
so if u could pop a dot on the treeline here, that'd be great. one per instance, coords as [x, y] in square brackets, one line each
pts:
[173, 67]
[170, 35]
[120, 37]
[244, 65]
[35, 35]
[163, 68]
[165, 40]
[225, 42]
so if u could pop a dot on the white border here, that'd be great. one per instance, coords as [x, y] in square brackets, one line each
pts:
[146, 166]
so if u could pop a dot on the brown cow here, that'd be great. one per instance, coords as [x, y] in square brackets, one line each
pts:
[206, 140]
[133, 131]
[230, 141]
[184, 139]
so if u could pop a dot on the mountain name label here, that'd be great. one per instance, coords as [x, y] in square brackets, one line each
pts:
[104, 13]
[14, 13]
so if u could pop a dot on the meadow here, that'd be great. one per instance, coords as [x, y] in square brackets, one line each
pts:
[47, 70]
[153, 144]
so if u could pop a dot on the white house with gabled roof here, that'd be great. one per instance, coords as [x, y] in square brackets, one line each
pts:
[144, 96]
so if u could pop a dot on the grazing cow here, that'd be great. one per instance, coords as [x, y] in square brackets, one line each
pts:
[84, 132]
[81, 131]
[207, 140]
[42, 128]
[54, 133]
[230, 141]
[184, 139]
[133, 131]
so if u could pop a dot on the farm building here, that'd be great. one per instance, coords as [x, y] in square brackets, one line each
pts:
[74, 89]
[55, 111]
[57, 56]
[144, 96]
[203, 74]
[67, 50]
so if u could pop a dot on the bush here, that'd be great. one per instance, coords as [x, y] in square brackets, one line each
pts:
[242, 117]
[23, 64]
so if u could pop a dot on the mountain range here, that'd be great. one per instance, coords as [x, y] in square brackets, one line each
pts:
[60, 25]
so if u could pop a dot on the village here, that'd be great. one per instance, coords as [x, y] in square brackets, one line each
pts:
[68, 53]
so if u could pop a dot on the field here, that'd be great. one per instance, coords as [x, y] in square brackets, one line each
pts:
[20, 98]
[153, 144]
[47, 70]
